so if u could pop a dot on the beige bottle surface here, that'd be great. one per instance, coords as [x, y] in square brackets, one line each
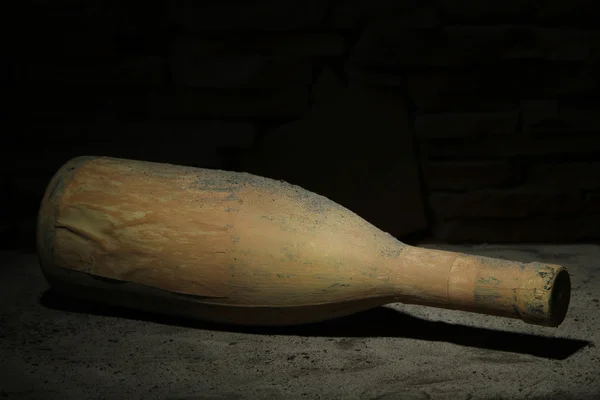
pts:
[238, 248]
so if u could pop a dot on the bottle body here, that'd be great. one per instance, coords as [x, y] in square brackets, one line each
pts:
[230, 243]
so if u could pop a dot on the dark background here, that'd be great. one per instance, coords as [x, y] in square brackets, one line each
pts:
[458, 121]
[462, 121]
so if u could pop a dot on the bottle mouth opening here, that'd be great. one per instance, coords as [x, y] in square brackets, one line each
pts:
[559, 298]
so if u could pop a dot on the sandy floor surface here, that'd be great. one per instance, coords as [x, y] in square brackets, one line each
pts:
[57, 348]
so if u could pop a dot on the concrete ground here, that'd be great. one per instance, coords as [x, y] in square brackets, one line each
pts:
[56, 348]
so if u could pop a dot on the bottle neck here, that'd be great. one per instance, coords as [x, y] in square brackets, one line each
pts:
[537, 293]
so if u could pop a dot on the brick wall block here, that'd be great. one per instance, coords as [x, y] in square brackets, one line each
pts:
[470, 175]
[478, 12]
[351, 14]
[444, 125]
[549, 117]
[551, 13]
[133, 70]
[239, 71]
[454, 46]
[510, 203]
[509, 147]
[489, 87]
[578, 14]
[534, 229]
[287, 102]
[591, 204]
[582, 175]
[283, 44]
[194, 103]
[265, 16]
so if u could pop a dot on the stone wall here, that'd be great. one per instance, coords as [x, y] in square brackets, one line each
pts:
[506, 112]
[483, 114]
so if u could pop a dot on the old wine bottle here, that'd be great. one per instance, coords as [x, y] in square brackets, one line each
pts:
[238, 248]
